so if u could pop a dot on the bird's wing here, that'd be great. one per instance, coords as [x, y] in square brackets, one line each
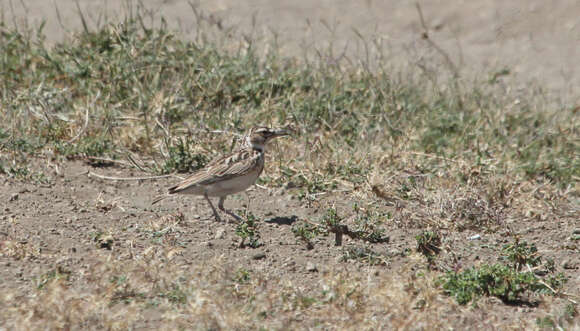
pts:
[237, 164]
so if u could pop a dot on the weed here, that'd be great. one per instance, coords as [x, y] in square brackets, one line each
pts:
[247, 228]
[24, 174]
[429, 244]
[521, 254]
[103, 240]
[571, 311]
[175, 295]
[363, 254]
[306, 232]
[331, 222]
[368, 224]
[53, 276]
[545, 322]
[181, 159]
[496, 280]
[506, 282]
[311, 187]
[242, 276]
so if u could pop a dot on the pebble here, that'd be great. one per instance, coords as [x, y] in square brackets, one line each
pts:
[259, 256]
[220, 233]
[568, 265]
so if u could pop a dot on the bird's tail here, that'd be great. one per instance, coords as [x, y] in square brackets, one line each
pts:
[159, 198]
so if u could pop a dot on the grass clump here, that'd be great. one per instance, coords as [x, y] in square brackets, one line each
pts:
[366, 228]
[306, 232]
[127, 87]
[22, 172]
[363, 254]
[181, 159]
[496, 280]
[506, 282]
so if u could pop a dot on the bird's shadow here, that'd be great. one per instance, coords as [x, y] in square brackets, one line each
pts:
[283, 220]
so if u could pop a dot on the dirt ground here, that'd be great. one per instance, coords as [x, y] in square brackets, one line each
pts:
[537, 40]
[58, 226]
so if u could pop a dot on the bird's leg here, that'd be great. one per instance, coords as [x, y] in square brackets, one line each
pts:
[221, 207]
[215, 213]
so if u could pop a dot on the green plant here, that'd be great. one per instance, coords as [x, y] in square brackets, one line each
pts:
[181, 159]
[496, 280]
[429, 244]
[247, 228]
[363, 254]
[242, 276]
[521, 254]
[53, 276]
[545, 322]
[22, 172]
[175, 295]
[571, 311]
[366, 228]
[306, 232]
[368, 225]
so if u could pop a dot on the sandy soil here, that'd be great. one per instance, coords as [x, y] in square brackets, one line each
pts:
[56, 226]
[538, 41]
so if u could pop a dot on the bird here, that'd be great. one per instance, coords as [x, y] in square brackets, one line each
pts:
[232, 173]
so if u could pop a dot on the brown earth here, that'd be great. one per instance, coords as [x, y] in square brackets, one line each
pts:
[56, 227]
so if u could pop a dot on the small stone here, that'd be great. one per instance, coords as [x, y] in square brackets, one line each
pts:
[14, 197]
[220, 233]
[311, 267]
[259, 256]
[569, 265]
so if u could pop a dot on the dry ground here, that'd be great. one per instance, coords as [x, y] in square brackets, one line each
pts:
[174, 266]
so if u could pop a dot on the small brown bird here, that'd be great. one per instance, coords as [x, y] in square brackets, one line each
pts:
[229, 174]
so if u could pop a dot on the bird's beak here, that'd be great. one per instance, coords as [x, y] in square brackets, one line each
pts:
[287, 131]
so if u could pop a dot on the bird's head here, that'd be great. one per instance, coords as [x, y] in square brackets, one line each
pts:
[258, 137]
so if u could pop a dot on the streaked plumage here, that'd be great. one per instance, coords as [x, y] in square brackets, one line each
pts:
[229, 174]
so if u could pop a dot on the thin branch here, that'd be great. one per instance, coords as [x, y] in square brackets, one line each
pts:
[425, 36]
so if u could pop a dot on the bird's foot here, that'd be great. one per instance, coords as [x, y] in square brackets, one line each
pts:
[232, 214]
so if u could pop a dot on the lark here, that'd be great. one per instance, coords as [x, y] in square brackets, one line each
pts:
[231, 173]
